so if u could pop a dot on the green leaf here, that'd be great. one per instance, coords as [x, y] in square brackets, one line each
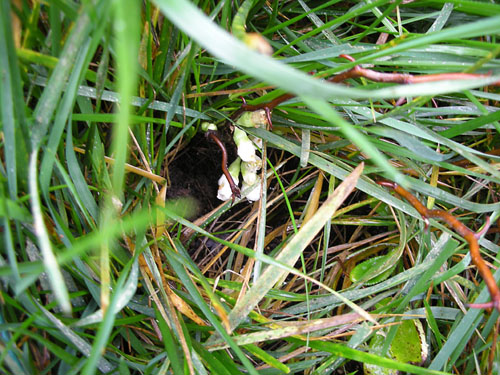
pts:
[409, 346]
[412, 143]
[363, 269]
[11, 104]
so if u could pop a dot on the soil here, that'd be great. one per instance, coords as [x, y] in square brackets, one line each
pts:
[196, 170]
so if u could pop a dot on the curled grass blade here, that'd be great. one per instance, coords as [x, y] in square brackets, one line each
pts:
[49, 260]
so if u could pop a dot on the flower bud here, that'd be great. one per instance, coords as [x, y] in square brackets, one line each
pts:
[253, 119]
[205, 126]
[246, 148]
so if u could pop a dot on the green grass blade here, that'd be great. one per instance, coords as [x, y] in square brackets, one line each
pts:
[11, 114]
[75, 339]
[187, 282]
[489, 25]
[75, 172]
[344, 351]
[61, 117]
[472, 7]
[458, 339]
[171, 345]
[49, 260]
[351, 133]
[120, 297]
[226, 47]
[128, 290]
[443, 17]
[127, 45]
[51, 95]
[238, 27]
[267, 358]
[292, 250]
[216, 365]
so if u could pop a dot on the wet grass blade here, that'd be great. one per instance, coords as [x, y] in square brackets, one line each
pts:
[49, 260]
[292, 250]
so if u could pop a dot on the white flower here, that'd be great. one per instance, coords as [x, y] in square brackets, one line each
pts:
[246, 148]
[249, 170]
[254, 193]
[225, 193]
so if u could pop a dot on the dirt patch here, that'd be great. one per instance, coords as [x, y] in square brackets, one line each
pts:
[195, 171]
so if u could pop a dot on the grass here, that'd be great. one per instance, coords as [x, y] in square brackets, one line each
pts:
[117, 257]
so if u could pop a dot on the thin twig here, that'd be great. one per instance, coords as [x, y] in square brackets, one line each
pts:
[470, 236]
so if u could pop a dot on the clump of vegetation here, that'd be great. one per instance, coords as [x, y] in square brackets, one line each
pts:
[118, 258]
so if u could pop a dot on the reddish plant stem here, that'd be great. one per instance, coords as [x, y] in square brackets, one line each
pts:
[372, 75]
[212, 135]
[403, 78]
[463, 231]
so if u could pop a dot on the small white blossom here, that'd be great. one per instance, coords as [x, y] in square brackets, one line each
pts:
[246, 148]
[249, 170]
[225, 193]
[254, 193]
